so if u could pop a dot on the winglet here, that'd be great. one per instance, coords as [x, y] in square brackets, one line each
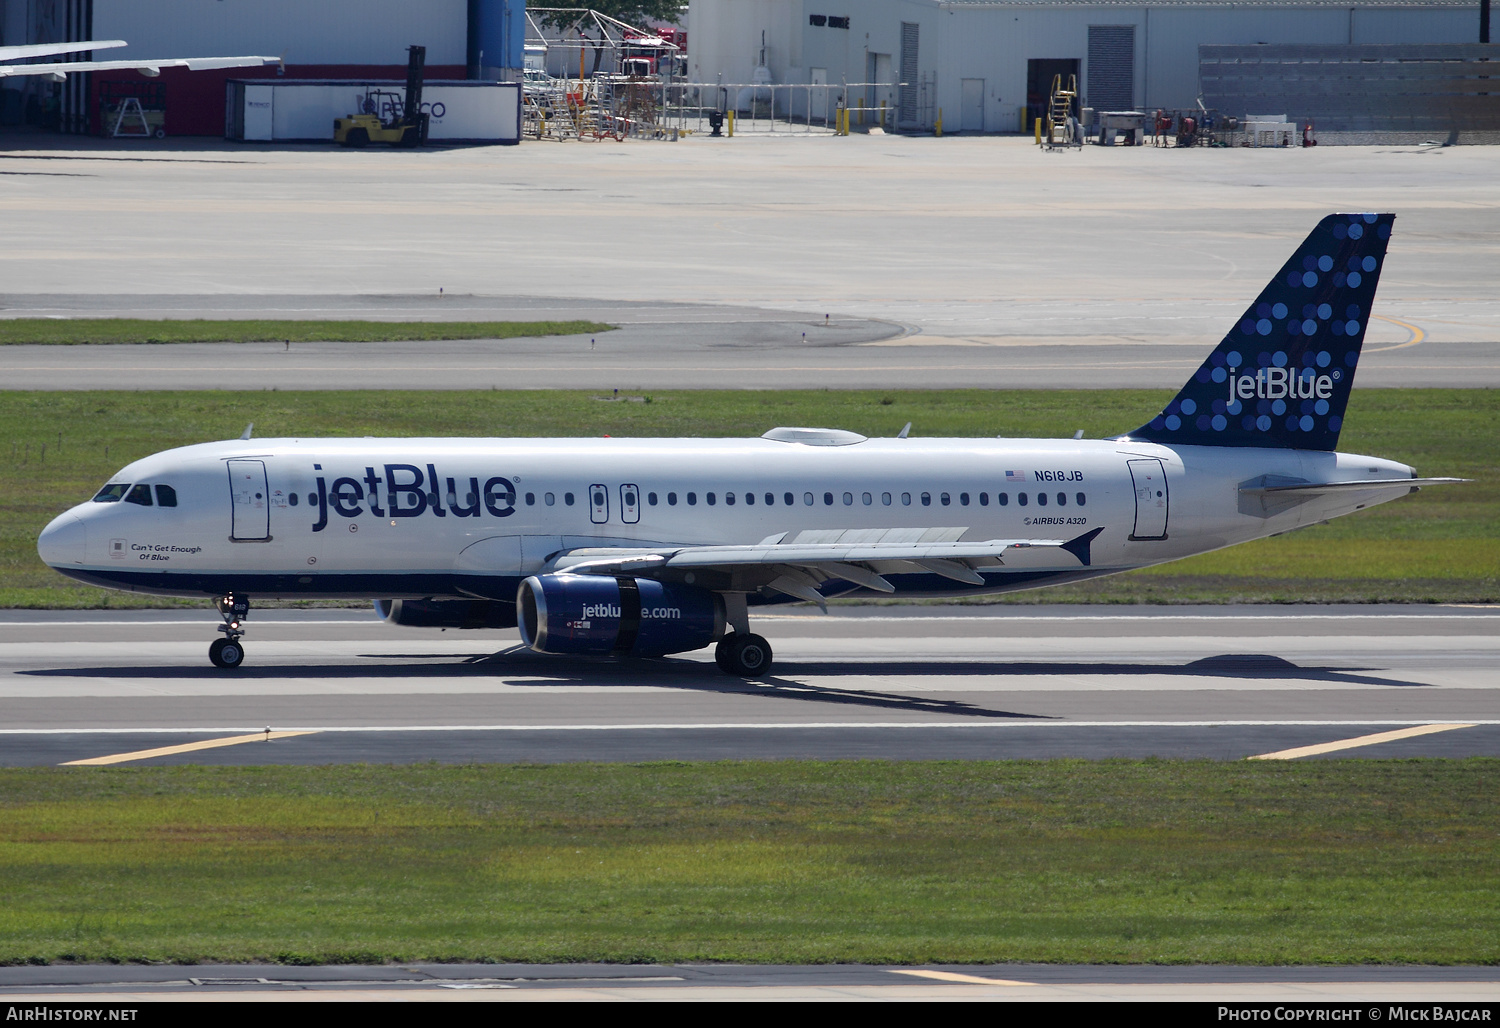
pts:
[903, 433]
[1079, 547]
[248, 429]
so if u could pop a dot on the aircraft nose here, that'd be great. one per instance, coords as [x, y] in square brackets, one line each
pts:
[64, 541]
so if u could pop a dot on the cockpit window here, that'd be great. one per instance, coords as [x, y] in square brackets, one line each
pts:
[139, 494]
[112, 492]
[166, 496]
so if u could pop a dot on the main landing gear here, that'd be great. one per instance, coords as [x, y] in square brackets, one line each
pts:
[743, 654]
[228, 652]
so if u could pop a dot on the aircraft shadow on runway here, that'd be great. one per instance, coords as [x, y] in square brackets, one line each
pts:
[676, 673]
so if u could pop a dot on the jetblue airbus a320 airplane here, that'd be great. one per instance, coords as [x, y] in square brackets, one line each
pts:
[644, 547]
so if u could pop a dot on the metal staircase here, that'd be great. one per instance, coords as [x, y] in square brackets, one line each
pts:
[1062, 121]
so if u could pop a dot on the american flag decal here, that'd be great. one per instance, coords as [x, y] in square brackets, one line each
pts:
[1015, 476]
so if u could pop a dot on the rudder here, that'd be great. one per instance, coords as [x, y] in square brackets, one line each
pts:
[1282, 375]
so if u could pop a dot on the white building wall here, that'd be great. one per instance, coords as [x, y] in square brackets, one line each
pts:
[305, 31]
[724, 38]
[993, 43]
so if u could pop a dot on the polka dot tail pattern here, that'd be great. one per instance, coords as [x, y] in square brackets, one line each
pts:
[1282, 375]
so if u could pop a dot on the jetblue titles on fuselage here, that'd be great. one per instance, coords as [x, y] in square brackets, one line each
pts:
[410, 494]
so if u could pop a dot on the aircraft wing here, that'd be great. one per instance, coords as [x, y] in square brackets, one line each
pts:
[19, 53]
[797, 566]
[147, 67]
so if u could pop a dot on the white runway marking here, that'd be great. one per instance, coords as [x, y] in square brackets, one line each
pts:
[734, 726]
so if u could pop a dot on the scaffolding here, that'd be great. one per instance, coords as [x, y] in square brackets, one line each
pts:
[559, 34]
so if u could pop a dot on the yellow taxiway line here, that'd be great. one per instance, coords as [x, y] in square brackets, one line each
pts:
[949, 976]
[1417, 335]
[1356, 742]
[187, 747]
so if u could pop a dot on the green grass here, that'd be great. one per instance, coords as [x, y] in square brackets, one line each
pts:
[79, 331]
[1441, 545]
[1116, 861]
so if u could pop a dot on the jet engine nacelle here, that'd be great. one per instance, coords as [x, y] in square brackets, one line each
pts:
[447, 613]
[637, 617]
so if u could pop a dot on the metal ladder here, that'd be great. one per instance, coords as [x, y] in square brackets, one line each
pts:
[1061, 125]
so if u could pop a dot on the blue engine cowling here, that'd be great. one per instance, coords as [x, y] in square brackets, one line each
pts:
[637, 617]
[448, 613]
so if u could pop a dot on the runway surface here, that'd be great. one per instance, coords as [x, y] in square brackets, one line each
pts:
[942, 262]
[684, 346]
[1449, 986]
[875, 682]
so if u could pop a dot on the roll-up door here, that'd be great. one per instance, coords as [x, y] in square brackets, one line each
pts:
[907, 106]
[1111, 84]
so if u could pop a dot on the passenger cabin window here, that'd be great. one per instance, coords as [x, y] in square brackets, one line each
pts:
[906, 499]
[692, 499]
[1080, 499]
[651, 499]
[568, 499]
[1021, 499]
[1041, 499]
[927, 499]
[671, 499]
[112, 492]
[140, 494]
[984, 499]
[788, 499]
[1003, 499]
[166, 496]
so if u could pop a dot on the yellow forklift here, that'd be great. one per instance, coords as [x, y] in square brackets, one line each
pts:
[386, 118]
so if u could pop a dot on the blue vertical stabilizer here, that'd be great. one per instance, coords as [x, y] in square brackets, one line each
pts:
[1282, 375]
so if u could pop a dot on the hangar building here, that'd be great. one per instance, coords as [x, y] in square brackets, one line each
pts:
[984, 63]
[327, 39]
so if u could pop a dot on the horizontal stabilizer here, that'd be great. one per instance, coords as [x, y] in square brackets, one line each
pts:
[1334, 487]
[148, 66]
[1269, 495]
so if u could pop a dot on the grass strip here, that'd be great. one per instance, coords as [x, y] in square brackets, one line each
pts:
[1441, 545]
[1318, 861]
[81, 331]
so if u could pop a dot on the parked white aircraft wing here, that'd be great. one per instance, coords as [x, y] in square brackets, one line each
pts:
[149, 68]
[19, 53]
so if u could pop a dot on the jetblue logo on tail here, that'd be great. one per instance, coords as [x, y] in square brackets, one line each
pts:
[1281, 377]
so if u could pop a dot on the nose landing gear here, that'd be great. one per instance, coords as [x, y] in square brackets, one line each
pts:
[227, 652]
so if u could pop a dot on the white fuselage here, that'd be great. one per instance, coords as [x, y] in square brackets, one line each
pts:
[346, 518]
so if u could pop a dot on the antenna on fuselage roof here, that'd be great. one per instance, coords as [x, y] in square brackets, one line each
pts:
[903, 433]
[248, 429]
